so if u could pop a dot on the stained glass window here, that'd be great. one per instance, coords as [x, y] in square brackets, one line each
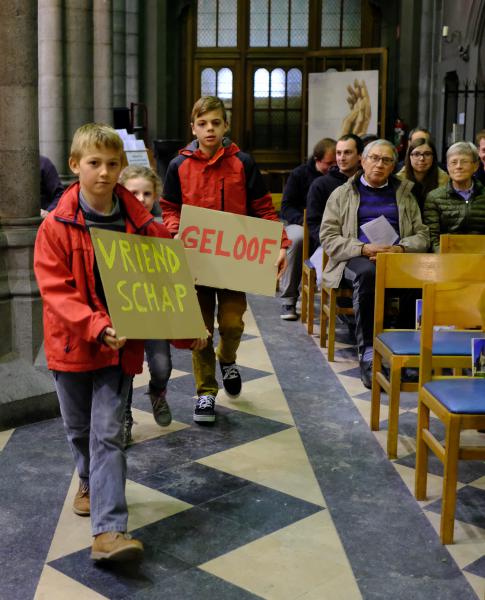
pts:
[277, 108]
[216, 23]
[278, 23]
[218, 83]
[341, 23]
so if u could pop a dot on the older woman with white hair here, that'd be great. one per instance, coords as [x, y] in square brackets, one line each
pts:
[459, 206]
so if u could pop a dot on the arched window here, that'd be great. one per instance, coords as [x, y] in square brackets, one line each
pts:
[277, 108]
[341, 23]
[216, 23]
[218, 82]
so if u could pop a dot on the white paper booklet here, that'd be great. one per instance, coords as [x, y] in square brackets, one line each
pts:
[380, 231]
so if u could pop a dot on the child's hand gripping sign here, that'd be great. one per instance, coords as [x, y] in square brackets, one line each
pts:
[148, 286]
[231, 251]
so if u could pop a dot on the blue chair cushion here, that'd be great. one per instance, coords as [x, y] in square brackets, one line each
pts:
[445, 343]
[462, 396]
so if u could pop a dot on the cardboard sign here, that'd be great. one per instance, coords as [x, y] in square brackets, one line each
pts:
[231, 251]
[137, 158]
[148, 286]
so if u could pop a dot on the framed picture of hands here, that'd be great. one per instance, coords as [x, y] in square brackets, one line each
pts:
[341, 102]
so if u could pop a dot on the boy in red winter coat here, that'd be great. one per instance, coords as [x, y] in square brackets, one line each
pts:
[212, 172]
[92, 366]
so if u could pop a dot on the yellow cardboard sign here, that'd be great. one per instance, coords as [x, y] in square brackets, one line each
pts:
[148, 286]
[231, 251]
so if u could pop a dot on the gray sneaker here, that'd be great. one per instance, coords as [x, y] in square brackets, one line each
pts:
[288, 312]
[161, 409]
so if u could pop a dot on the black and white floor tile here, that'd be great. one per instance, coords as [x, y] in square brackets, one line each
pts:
[288, 496]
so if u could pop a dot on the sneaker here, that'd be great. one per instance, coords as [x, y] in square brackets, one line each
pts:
[160, 408]
[115, 545]
[288, 312]
[81, 505]
[231, 379]
[204, 411]
[127, 436]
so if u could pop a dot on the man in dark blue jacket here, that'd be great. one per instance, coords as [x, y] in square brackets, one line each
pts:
[292, 207]
[348, 152]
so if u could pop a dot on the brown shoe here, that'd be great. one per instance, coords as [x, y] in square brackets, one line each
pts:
[115, 545]
[81, 504]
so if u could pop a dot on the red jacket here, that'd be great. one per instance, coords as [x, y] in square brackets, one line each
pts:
[228, 181]
[74, 316]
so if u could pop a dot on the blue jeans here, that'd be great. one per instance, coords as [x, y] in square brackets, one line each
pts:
[92, 407]
[160, 366]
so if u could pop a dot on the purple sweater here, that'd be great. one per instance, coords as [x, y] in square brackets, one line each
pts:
[375, 202]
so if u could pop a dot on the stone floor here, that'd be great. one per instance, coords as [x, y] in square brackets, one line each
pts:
[288, 496]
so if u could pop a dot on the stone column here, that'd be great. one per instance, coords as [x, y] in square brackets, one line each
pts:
[119, 53]
[52, 135]
[132, 52]
[23, 389]
[103, 61]
[79, 63]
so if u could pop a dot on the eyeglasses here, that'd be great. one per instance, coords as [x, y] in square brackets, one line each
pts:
[386, 160]
[459, 162]
[423, 155]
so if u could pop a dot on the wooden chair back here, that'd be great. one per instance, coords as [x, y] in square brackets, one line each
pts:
[460, 304]
[413, 270]
[462, 244]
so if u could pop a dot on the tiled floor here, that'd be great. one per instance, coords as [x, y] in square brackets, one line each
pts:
[288, 496]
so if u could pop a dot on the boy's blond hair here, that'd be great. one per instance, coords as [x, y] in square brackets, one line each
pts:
[205, 105]
[95, 135]
[135, 171]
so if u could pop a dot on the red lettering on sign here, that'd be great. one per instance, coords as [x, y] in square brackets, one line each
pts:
[264, 250]
[240, 246]
[253, 249]
[219, 251]
[190, 242]
[206, 240]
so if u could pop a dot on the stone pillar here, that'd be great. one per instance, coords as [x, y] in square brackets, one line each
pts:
[79, 63]
[119, 53]
[23, 389]
[52, 135]
[103, 61]
[132, 52]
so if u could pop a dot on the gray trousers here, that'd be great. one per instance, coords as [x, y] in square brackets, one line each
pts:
[291, 279]
[92, 407]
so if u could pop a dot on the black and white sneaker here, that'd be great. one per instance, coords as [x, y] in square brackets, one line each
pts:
[288, 312]
[204, 411]
[231, 379]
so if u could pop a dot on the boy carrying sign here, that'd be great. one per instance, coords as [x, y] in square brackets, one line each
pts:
[92, 366]
[212, 172]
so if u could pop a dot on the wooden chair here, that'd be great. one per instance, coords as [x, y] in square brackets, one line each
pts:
[308, 281]
[459, 402]
[329, 309]
[400, 348]
[459, 244]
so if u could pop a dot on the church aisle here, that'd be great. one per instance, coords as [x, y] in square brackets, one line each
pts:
[288, 496]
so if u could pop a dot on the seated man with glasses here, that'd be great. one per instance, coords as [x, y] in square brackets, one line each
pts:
[458, 207]
[364, 197]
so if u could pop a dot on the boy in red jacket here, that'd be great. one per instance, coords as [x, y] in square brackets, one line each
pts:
[212, 172]
[92, 366]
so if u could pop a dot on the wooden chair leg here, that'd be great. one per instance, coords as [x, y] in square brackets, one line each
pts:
[393, 417]
[375, 401]
[304, 297]
[323, 319]
[332, 319]
[312, 283]
[421, 474]
[450, 478]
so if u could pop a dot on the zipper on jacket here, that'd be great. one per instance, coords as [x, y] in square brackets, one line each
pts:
[67, 348]
[222, 195]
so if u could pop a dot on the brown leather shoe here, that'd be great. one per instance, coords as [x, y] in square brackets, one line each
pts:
[81, 504]
[115, 545]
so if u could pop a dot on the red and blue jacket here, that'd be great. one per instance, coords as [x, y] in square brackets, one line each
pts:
[229, 181]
